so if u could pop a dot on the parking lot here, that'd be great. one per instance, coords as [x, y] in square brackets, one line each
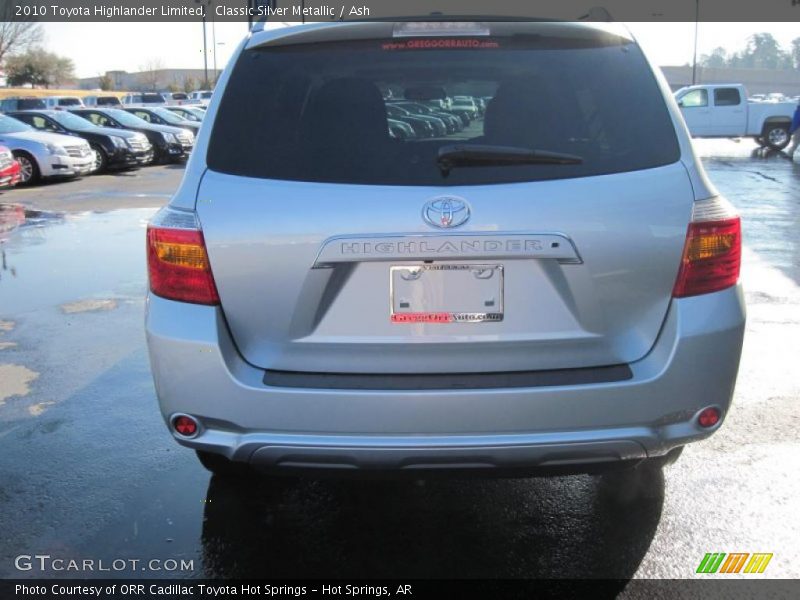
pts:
[88, 470]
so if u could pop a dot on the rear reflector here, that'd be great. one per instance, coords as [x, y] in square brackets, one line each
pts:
[184, 425]
[712, 254]
[708, 417]
[177, 261]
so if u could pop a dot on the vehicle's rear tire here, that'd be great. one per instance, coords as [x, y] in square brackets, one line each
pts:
[644, 480]
[219, 465]
[628, 486]
[671, 457]
[100, 159]
[776, 135]
[29, 169]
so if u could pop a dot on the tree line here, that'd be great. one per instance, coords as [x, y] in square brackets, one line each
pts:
[762, 52]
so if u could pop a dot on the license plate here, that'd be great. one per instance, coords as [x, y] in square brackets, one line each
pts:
[446, 293]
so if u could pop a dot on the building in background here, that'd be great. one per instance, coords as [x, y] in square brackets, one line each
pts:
[757, 81]
[157, 79]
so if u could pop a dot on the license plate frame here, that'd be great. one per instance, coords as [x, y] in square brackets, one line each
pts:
[456, 283]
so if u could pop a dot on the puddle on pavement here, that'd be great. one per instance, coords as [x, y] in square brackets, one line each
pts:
[36, 410]
[74, 263]
[14, 380]
[82, 306]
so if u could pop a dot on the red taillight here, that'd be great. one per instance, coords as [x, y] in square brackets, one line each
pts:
[712, 254]
[185, 425]
[178, 265]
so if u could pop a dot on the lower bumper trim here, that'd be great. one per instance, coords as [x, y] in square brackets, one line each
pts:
[447, 381]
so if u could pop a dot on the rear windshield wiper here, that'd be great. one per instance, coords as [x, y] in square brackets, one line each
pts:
[476, 155]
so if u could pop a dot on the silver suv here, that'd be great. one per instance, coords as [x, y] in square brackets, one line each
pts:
[552, 287]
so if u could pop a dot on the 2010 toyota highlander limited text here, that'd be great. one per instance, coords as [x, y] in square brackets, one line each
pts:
[545, 282]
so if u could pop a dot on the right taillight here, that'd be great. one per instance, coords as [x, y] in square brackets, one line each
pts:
[712, 254]
[177, 261]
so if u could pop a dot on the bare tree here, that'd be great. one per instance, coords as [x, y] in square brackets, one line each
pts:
[16, 36]
[189, 84]
[105, 82]
[150, 75]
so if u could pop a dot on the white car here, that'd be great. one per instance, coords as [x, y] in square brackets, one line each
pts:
[63, 102]
[41, 154]
[201, 96]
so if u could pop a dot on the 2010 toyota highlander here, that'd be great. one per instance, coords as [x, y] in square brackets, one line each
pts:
[554, 286]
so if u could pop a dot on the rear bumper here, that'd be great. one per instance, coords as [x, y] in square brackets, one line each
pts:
[693, 364]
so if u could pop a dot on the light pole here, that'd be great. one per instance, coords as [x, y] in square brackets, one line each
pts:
[214, 44]
[206, 4]
[696, 24]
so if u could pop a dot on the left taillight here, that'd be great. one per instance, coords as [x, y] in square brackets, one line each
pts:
[712, 254]
[177, 260]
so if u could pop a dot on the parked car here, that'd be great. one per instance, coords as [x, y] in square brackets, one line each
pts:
[190, 113]
[108, 100]
[440, 127]
[452, 123]
[111, 148]
[43, 155]
[722, 111]
[62, 102]
[144, 99]
[25, 103]
[176, 98]
[9, 169]
[423, 128]
[169, 143]
[202, 96]
[399, 130]
[558, 292]
[464, 104]
[162, 116]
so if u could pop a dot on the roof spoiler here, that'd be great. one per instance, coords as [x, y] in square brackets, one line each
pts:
[595, 14]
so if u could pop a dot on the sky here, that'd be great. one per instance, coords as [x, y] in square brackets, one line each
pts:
[99, 47]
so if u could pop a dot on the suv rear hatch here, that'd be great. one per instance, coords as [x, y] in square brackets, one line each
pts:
[546, 234]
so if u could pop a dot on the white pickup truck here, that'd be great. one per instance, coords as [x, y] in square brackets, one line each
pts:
[723, 111]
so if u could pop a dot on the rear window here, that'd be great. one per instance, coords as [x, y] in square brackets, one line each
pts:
[31, 104]
[379, 111]
[726, 97]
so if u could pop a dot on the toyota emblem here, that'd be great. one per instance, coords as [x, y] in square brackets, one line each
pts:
[446, 212]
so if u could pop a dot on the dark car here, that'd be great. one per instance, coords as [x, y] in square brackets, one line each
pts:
[24, 103]
[112, 148]
[422, 128]
[439, 126]
[169, 143]
[161, 116]
[452, 122]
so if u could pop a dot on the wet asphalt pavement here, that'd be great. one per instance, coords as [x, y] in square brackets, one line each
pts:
[88, 470]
